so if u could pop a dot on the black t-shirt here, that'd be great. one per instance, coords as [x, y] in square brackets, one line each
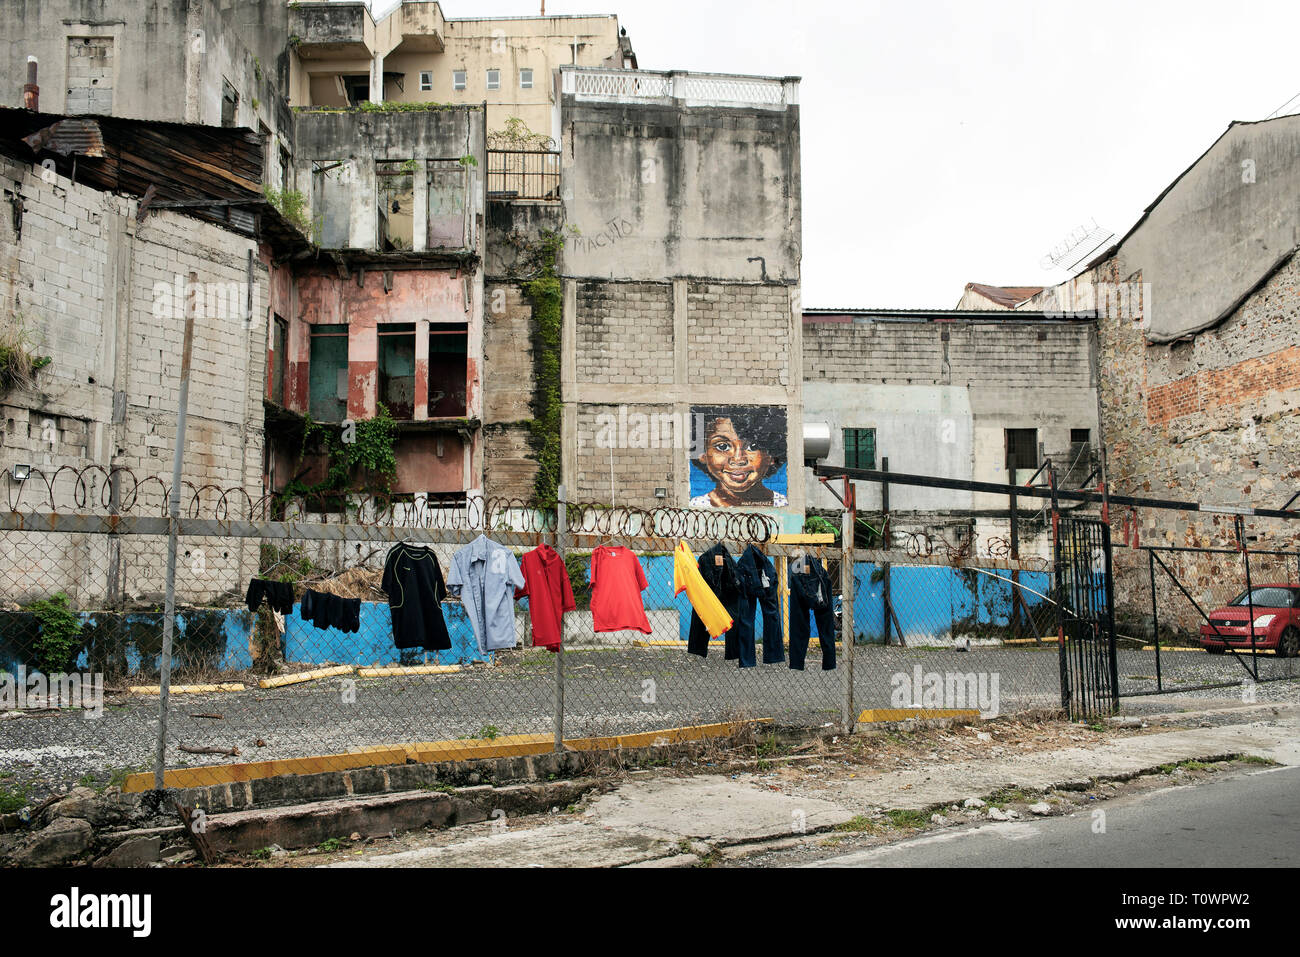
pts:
[413, 581]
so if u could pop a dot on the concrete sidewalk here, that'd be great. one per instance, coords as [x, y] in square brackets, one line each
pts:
[674, 821]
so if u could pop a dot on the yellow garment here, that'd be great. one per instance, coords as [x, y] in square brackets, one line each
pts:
[686, 576]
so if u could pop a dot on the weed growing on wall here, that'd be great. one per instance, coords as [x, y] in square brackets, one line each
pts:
[292, 205]
[18, 361]
[59, 639]
[361, 456]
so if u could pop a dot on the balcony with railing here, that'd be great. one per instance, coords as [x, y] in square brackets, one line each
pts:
[523, 174]
[696, 89]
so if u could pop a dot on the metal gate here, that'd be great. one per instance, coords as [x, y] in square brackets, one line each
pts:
[1085, 616]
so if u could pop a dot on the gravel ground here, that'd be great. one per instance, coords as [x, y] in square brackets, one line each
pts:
[607, 690]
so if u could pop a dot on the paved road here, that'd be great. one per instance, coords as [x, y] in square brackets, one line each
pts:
[1247, 820]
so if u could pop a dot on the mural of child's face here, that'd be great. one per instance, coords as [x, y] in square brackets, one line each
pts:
[737, 464]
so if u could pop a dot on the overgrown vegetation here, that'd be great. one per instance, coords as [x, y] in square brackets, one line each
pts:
[547, 297]
[516, 135]
[359, 457]
[19, 362]
[292, 205]
[59, 639]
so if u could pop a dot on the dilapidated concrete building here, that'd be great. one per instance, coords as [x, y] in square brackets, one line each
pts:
[960, 394]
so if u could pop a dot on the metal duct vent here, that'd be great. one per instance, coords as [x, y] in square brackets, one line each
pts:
[816, 441]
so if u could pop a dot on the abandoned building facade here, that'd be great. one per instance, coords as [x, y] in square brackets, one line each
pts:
[609, 299]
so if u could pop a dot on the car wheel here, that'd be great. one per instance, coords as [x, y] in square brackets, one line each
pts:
[1215, 649]
[1288, 645]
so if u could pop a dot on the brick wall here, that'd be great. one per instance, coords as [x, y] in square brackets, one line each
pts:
[1215, 419]
[637, 472]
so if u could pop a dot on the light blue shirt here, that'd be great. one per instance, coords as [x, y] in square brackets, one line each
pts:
[484, 575]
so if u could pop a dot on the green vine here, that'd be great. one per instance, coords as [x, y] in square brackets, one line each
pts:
[369, 459]
[59, 639]
[546, 294]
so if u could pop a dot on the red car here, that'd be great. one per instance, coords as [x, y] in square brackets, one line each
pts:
[1276, 626]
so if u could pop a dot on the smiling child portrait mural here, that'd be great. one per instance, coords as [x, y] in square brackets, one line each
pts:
[738, 456]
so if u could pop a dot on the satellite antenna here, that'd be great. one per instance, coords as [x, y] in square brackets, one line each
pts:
[1082, 242]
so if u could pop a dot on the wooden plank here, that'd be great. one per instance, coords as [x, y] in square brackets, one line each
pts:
[279, 681]
[187, 689]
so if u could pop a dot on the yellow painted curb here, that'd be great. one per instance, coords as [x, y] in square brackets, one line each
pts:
[1032, 641]
[713, 643]
[874, 715]
[390, 670]
[279, 681]
[185, 689]
[215, 774]
[1241, 649]
[509, 745]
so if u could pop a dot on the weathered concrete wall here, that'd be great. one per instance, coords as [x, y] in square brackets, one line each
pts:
[357, 139]
[1219, 229]
[1215, 419]
[682, 285]
[661, 189]
[663, 352]
[165, 60]
[104, 297]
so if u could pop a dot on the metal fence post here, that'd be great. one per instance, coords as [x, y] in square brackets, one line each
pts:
[1250, 604]
[561, 537]
[1155, 619]
[173, 527]
[848, 584]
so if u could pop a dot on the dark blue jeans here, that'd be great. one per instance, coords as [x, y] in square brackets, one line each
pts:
[811, 595]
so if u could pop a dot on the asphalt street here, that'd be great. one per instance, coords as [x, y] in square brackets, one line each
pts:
[1250, 819]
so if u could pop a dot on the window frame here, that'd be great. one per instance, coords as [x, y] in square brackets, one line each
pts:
[426, 81]
[529, 84]
[461, 84]
[858, 433]
[488, 78]
[1007, 462]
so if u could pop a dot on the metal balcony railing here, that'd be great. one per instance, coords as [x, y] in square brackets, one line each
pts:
[523, 174]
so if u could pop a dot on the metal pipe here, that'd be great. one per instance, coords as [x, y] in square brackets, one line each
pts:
[1065, 495]
[31, 92]
[561, 536]
[173, 525]
[848, 584]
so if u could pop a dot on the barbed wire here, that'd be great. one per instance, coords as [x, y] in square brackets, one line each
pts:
[96, 490]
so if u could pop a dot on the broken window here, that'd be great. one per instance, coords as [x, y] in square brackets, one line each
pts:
[1022, 451]
[331, 203]
[90, 75]
[396, 180]
[448, 368]
[426, 80]
[860, 449]
[286, 174]
[229, 103]
[446, 205]
[327, 382]
[279, 359]
[397, 368]
[356, 88]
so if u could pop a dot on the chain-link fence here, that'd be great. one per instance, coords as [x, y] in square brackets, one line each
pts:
[1208, 618]
[82, 623]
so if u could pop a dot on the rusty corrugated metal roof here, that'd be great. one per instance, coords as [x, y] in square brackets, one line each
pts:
[69, 137]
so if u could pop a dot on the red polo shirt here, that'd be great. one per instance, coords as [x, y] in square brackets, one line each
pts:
[549, 594]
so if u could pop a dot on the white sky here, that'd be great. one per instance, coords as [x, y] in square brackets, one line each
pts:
[946, 142]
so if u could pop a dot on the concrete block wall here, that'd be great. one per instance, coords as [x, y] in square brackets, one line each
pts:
[98, 293]
[940, 396]
[656, 350]
[625, 334]
[738, 334]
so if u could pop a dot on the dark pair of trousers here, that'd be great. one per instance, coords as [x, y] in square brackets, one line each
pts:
[773, 644]
[803, 604]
